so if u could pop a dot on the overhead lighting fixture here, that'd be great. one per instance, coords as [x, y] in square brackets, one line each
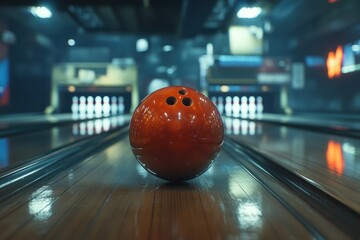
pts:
[267, 26]
[249, 12]
[71, 88]
[171, 70]
[224, 88]
[355, 48]
[71, 42]
[41, 12]
[168, 48]
[142, 45]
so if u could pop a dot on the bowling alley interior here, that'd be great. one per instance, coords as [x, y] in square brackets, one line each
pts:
[182, 119]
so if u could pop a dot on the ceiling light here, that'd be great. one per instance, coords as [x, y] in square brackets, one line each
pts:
[249, 12]
[224, 88]
[41, 12]
[355, 48]
[142, 45]
[168, 48]
[267, 26]
[71, 42]
[71, 88]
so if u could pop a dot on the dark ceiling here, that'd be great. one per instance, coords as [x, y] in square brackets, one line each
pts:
[182, 18]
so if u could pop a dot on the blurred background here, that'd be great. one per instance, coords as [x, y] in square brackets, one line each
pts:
[283, 56]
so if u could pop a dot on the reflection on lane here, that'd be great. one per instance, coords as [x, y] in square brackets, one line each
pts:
[40, 204]
[243, 127]
[334, 157]
[314, 150]
[31, 145]
[249, 216]
[249, 200]
[341, 157]
[98, 126]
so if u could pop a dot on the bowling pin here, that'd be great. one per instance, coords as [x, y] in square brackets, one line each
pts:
[252, 107]
[244, 107]
[98, 106]
[90, 107]
[82, 107]
[121, 105]
[259, 105]
[114, 107]
[106, 106]
[236, 106]
[75, 105]
[220, 105]
[228, 106]
[213, 99]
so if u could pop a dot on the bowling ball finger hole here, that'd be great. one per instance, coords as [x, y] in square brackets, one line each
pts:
[171, 100]
[187, 102]
[182, 92]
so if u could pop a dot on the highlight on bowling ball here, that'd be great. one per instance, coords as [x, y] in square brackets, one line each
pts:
[176, 133]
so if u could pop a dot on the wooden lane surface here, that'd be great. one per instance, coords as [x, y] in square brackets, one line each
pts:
[329, 161]
[30, 145]
[109, 196]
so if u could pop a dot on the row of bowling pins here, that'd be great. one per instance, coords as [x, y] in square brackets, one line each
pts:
[97, 106]
[234, 106]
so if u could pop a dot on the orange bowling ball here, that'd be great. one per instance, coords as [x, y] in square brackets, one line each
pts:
[176, 133]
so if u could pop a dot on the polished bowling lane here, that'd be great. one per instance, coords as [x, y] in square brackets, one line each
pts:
[329, 160]
[109, 195]
[27, 145]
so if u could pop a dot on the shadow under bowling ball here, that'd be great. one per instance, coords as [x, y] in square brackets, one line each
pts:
[176, 186]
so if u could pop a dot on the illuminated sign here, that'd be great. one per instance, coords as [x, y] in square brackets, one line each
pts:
[345, 59]
[351, 60]
[334, 62]
[4, 83]
[4, 152]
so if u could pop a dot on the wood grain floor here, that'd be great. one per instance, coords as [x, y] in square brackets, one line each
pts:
[29, 145]
[110, 196]
[328, 160]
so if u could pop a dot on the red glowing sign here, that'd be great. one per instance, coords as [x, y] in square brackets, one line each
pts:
[334, 62]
